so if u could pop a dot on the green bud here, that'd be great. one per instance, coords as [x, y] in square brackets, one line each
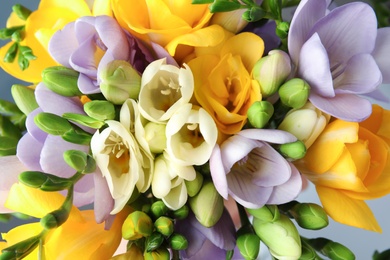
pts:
[194, 186]
[77, 136]
[23, 62]
[331, 249]
[26, 52]
[309, 216]
[207, 205]
[295, 150]
[282, 30]
[267, 213]
[155, 136]
[5, 218]
[100, 109]
[84, 120]
[44, 181]
[308, 253]
[229, 254]
[10, 55]
[61, 80]
[255, 13]
[120, 81]
[259, 113]
[24, 98]
[249, 246]
[271, 71]
[80, 161]
[137, 225]
[21, 11]
[159, 254]
[17, 36]
[281, 237]
[178, 242]
[294, 93]
[6, 33]
[8, 145]
[8, 129]
[154, 241]
[224, 6]
[382, 255]
[20, 250]
[52, 124]
[181, 213]
[164, 225]
[159, 209]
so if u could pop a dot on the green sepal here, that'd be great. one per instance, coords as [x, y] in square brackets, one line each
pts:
[44, 181]
[84, 120]
[80, 161]
[21, 11]
[77, 136]
[8, 145]
[24, 98]
[224, 6]
[61, 80]
[52, 124]
[154, 241]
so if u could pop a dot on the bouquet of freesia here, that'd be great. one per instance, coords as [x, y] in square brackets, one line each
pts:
[186, 130]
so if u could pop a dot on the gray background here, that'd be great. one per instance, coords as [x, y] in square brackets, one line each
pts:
[362, 242]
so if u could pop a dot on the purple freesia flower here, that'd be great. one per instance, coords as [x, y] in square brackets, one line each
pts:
[246, 167]
[90, 43]
[39, 151]
[332, 51]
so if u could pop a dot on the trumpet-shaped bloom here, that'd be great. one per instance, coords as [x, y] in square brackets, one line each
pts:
[191, 135]
[252, 172]
[356, 168]
[332, 51]
[90, 43]
[164, 89]
[79, 235]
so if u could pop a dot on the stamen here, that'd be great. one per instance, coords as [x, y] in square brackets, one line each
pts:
[192, 127]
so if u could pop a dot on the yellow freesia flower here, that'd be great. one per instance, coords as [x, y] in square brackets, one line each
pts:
[79, 237]
[223, 83]
[50, 16]
[350, 163]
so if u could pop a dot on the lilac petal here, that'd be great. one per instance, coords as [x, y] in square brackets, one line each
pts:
[87, 85]
[381, 53]
[52, 160]
[195, 239]
[347, 107]
[208, 251]
[245, 192]
[85, 28]
[83, 198]
[218, 174]
[103, 202]
[33, 129]
[306, 15]
[84, 184]
[289, 190]
[29, 157]
[267, 33]
[62, 44]
[361, 75]
[347, 30]
[268, 135]
[162, 53]
[378, 95]
[83, 59]
[314, 67]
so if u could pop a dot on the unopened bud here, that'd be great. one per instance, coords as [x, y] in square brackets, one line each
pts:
[181, 213]
[61, 80]
[11, 53]
[271, 71]
[309, 216]
[249, 246]
[119, 81]
[21, 11]
[159, 209]
[259, 113]
[159, 254]
[267, 213]
[100, 109]
[137, 225]
[24, 98]
[84, 120]
[194, 186]
[178, 242]
[44, 181]
[154, 241]
[164, 225]
[77, 136]
[253, 14]
[331, 249]
[156, 137]
[294, 93]
[80, 161]
[52, 124]
[20, 250]
[295, 150]
[231, 21]
[282, 30]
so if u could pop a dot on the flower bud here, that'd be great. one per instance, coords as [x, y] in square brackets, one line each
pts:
[310, 216]
[295, 150]
[137, 225]
[159, 209]
[267, 213]
[55, 219]
[44, 181]
[159, 254]
[24, 98]
[61, 80]
[164, 225]
[119, 81]
[249, 246]
[52, 124]
[77, 136]
[259, 113]
[331, 249]
[20, 250]
[282, 30]
[21, 11]
[80, 161]
[178, 242]
[308, 253]
[100, 109]
[271, 71]
[154, 241]
[11, 53]
[231, 21]
[193, 187]
[155, 136]
[83, 120]
[294, 93]
[207, 205]
[281, 237]
[253, 14]
[181, 213]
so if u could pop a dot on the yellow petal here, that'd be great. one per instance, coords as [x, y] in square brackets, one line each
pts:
[374, 121]
[21, 233]
[346, 210]
[102, 7]
[79, 7]
[361, 157]
[14, 20]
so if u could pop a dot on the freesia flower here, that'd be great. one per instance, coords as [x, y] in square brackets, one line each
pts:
[79, 235]
[168, 181]
[357, 167]
[164, 89]
[89, 44]
[191, 135]
[223, 84]
[246, 167]
[332, 51]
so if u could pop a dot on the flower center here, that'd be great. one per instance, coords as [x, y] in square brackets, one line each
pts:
[190, 134]
[118, 152]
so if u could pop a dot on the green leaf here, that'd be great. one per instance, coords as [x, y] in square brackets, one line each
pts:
[84, 120]
[8, 129]
[202, 1]
[224, 6]
[8, 145]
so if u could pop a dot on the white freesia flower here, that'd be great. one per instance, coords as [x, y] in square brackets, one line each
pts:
[191, 136]
[169, 181]
[164, 89]
[118, 156]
